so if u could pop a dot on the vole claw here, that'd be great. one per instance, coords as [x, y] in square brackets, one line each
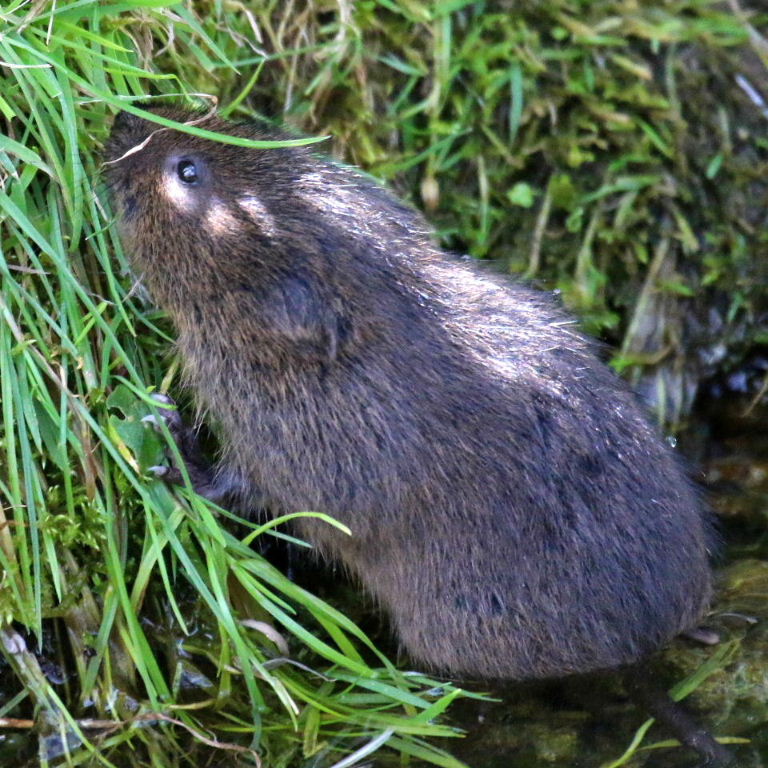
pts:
[173, 475]
[169, 413]
[702, 635]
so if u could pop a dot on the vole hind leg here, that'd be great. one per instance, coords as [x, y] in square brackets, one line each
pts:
[200, 472]
[672, 715]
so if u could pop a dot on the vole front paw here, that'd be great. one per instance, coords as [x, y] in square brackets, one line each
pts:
[200, 472]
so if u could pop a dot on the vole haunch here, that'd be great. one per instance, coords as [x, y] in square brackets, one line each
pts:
[510, 505]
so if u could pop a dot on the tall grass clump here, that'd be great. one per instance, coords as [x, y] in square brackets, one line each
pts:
[138, 624]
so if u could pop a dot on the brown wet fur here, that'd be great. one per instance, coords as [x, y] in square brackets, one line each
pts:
[511, 507]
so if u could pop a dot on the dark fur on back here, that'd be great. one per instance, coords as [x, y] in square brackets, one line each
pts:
[510, 505]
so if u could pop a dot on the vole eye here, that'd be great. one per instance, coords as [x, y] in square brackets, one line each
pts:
[187, 172]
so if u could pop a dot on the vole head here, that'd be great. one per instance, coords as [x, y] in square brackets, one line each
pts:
[175, 192]
[170, 187]
[257, 235]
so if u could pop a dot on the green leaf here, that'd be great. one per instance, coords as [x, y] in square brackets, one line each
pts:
[522, 194]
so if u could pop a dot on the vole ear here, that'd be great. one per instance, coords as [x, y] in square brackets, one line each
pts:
[299, 314]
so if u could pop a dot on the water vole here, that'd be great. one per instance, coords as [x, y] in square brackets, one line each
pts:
[510, 505]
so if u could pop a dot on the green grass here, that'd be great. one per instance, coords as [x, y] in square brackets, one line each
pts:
[562, 138]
